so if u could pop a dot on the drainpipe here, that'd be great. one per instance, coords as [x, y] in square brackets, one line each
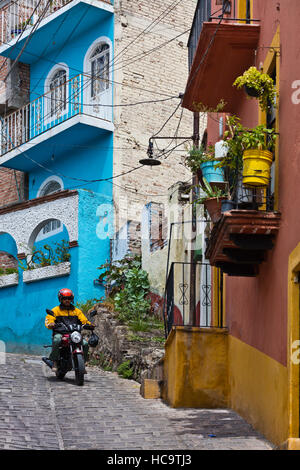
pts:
[192, 313]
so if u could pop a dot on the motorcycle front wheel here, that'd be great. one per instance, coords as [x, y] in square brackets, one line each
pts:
[79, 369]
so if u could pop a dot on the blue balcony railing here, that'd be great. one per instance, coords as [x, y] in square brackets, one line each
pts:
[81, 94]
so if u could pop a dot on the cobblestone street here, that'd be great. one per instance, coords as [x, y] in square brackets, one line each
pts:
[40, 412]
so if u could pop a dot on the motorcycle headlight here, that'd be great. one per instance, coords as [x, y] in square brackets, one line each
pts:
[76, 337]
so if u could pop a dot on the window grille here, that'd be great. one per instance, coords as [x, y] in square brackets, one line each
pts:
[58, 96]
[99, 70]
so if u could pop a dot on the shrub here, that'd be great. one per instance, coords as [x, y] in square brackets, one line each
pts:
[124, 370]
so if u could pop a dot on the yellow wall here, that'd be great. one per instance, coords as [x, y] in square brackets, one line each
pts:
[258, 390]
[195, 368]
[207, 368]
[293, 336]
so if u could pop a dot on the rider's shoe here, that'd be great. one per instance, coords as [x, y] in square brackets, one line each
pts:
[48, 362]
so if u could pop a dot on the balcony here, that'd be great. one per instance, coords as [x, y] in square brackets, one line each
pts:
[45, 18]
[240, 240]
[220, 49]
[52, 114]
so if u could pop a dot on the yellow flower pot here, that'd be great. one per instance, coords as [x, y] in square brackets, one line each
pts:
[257, 167]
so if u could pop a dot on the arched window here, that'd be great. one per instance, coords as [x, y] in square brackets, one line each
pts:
[56, 89]
[97, 81]
[51, 185]
[99, 69]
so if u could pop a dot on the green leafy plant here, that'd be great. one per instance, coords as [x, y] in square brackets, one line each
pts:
[62, 251]
[124, 370]
[46, 256]
[238, 138]
[197, 156]
[259, 137]
[262, 83]
[203, 108]
[87, 305]
[6, 271]
[211, 192]
[113, 274]
[131, 302]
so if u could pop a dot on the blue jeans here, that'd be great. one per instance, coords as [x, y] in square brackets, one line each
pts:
[56, 340]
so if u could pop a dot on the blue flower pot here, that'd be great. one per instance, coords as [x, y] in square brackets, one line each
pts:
[210, 173]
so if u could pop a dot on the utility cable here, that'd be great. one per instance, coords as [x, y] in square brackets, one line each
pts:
[161, 16]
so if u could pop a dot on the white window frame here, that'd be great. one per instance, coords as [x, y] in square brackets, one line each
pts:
[105, 96]
[41, 236]
[47, 101]
[46, 181]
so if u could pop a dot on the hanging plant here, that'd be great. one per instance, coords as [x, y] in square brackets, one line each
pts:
[258, 85]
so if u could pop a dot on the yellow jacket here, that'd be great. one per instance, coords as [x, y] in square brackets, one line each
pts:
[59, 312]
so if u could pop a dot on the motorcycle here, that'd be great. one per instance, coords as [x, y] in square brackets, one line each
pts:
[71, 348]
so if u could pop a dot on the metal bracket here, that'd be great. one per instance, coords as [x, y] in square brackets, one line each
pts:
[275, 49]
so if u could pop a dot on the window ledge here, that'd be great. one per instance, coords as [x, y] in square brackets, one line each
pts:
[9, 280]
[47, 272]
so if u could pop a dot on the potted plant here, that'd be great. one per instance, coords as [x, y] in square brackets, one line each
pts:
[258, 85]
[249, 151]
[212, 200]
[258, 144]
[204, 159]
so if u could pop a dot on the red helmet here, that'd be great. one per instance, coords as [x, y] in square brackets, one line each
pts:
[65, 294]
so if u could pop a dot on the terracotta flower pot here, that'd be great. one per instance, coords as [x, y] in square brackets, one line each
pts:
[213, 207]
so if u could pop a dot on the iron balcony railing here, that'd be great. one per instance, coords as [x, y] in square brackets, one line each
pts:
[227, 10]
[188, 297]
[244, 196]
[59, 104]
[17, 16]
[202, 13]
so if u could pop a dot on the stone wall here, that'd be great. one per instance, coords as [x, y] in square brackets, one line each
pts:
[116, 346]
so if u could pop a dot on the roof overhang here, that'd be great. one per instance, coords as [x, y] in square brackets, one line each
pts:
[224, 51]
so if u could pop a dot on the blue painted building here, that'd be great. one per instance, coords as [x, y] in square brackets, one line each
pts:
[63, 140]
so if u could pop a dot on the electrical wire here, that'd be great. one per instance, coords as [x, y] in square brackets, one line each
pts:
[150, 51]
[78, 71]
[144, 102]
[138, 57]
[36, 25]
[151, 26]
[18, 39]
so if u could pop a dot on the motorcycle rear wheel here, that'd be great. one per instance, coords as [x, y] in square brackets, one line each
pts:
[79, 369]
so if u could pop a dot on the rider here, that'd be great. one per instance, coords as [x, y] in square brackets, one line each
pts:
[64, 309]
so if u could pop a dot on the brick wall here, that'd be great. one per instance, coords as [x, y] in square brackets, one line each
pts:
[160, 74]
[14, 93]
[7, 261]
[11, 186]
